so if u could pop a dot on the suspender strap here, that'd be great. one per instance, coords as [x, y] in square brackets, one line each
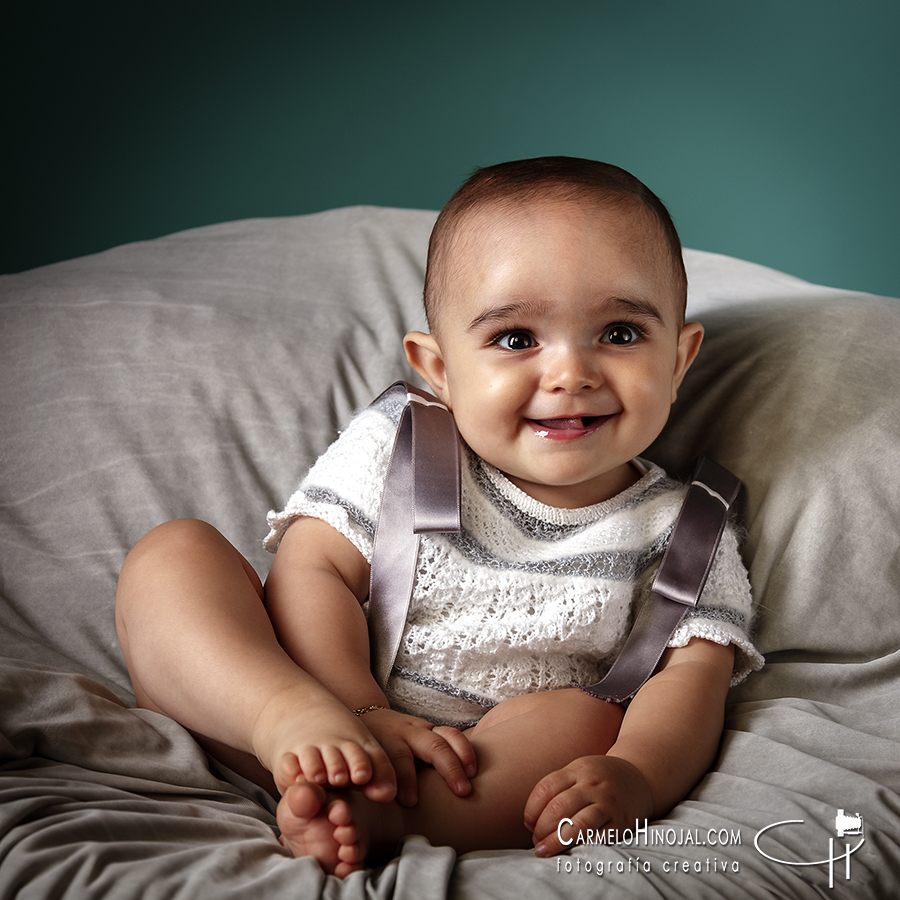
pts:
[421, 495]
[679, 582]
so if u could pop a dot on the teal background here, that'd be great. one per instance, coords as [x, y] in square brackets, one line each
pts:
[770, 128]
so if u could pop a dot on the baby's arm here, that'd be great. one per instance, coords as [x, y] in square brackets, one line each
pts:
[668, 740]
[313, 595]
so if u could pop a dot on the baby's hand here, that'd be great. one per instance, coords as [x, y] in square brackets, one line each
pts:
[594, 792]
[408, 738]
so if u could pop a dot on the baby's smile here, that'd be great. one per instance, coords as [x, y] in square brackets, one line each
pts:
[567, 428]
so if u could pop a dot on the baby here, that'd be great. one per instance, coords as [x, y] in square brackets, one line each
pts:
[555, 296]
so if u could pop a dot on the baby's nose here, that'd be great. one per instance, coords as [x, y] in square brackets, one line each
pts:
[572, 369]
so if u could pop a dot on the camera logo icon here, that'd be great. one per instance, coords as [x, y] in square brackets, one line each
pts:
[845, 824]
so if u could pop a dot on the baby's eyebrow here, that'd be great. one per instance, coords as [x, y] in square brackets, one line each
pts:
[642, 309]
[505, 313]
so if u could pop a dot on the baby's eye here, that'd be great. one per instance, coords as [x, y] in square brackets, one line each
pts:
[514, 340]
[621, 335]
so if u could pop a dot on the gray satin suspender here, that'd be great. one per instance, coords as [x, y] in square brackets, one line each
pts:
[679, 582]
[422, 495]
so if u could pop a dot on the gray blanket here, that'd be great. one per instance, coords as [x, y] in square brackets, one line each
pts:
[200, 374]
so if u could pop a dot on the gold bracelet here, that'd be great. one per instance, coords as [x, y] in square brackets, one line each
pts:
[364, 709]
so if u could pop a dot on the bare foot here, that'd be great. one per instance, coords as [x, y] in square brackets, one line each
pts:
[320, 743]
[315, 824]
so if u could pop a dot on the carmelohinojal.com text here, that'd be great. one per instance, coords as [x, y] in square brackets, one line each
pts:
[642, 835]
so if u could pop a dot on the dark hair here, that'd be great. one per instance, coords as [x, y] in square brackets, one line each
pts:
[527, 180]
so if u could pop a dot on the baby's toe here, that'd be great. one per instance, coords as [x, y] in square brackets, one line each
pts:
[286, 771]
[347, 835]
[351, 853]
[339, 812]
[343, 869]
[304, 800]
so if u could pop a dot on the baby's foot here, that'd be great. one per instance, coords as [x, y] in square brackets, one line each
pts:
[320, 743]
[313, 825]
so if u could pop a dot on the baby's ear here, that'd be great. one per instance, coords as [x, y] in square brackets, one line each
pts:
[689, 342]
[425, 356]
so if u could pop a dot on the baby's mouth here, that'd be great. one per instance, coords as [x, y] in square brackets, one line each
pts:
[573, 423]
[567, 428]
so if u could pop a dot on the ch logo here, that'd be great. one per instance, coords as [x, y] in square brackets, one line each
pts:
[844, 825]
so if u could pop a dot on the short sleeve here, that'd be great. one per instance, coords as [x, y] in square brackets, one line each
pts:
[344, 486]
[724, 612]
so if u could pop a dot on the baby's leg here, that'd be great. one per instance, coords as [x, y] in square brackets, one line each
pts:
[200, 648]
[517, 744]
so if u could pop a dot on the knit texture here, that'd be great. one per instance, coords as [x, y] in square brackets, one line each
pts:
[527, 597]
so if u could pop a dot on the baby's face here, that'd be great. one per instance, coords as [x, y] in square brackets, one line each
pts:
[559, 345]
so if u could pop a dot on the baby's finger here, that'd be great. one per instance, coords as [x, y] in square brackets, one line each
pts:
[565, 830]
[559, 812]
[461, 746]
[403, 764]
[429, 746]
[544, 793]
